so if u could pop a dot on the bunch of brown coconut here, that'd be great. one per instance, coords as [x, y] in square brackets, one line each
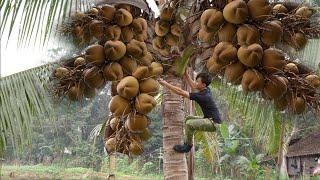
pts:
[168, 30]
[243, 36]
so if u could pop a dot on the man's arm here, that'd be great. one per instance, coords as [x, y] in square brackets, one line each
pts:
[190, 82]
[175, 89]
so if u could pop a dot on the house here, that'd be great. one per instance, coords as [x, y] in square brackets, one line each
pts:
[303, 155]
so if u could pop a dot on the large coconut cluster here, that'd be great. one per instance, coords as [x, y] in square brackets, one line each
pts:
[168, 31]
[119, 56]
[244, 36]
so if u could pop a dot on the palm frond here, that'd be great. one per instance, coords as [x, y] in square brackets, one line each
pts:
[310, 55]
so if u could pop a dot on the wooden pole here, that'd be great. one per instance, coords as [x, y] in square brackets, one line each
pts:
[112, 166]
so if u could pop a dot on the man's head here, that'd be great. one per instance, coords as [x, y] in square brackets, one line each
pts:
[203, 80]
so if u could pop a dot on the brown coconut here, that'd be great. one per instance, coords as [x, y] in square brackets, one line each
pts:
[273, 60]
[141, 36]
[114, 123]
[275, 87]
[205, 36]
[227, 32]
[156, 69]
[281, 103]
[146, 59]
[113, 72]
[225, 53]
[136, 122]
[96, 29]
[162, 28]
[139, 25]
[279, 8]
[234, 72]
[304, 12]
[176, 30]
[107, 12]
[313, 80]
[236, 12]
[252, 80]
[158, 43]
[94, 54]
[126, 34]
[123, 6]
[299, 40]
[110, 145]
[145, 135]
[211, 20]
[145, 103]
[79, 62]
[114, 50]
[172, 40]
[136, 48]
[89, 92]
[291, 67]
[119, 106]
[259, 10]
[136, 148]
[272, 32]
[123, 17]
[250, 55]
[93, 77]
[247, 35]
[113, 32]
[298, 105]
[167, 13]
[141, 72]
[213, 67]
[75, 93]
[149, 86]
[61, 72]
[128, 87]
[78, 32]
[94, 11]
[128, 64]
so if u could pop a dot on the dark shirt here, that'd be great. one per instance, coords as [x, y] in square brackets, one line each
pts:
[205, 101]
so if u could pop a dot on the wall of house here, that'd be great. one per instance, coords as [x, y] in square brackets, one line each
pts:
[298, 165]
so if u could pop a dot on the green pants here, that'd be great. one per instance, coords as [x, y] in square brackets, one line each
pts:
[196, 123]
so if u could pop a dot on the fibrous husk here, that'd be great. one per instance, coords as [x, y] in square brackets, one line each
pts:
[113, 32]
[94, 54]
[141, 36]
[259, 9]
[162, 28]
[136, 123]
[281, 103]
[123, 17]
[136, 148]
[107, 12]
[291, 67]
[61, 72]
[313, 80]
[171, 39]
[94, 11]
[128, 87]
[96, 29]
[213, 67]
[139, 25]
[236, 12]
[114, 85]
[149, 86]
[136, 48]
[298, 105]
[119, 106]
[272, 32]
[114, 50]
[78, 32]
[304, 12]
[234, 72]
[225, 53]
[273, 60]
[123, 6]
[79, 62]
[298, 40]
[156, 69]
[252, 80]
[279, 8]
[247, 34]
[211, 20]
[127, 34]
[227, 32]
[113, 72]
[114, 123]
[75, 93]
[110, 145]
[93, 77]
[176, 30]
[140, 72]
[275, 87]
[145, 103]
[250, 55]
[146, 59]
[145, 135]
[205, 36]
[167, 14]
[128, 64]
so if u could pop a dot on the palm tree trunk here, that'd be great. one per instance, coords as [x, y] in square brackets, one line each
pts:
[174, 164]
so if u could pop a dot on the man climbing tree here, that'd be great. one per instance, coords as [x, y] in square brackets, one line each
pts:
[203, 97]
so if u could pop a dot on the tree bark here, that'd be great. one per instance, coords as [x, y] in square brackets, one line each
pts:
[174, 164]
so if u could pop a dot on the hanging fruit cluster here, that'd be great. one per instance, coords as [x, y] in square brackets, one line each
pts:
[121, 57]
[245, 36]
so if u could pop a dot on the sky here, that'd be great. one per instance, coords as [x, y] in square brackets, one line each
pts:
[14, 60]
